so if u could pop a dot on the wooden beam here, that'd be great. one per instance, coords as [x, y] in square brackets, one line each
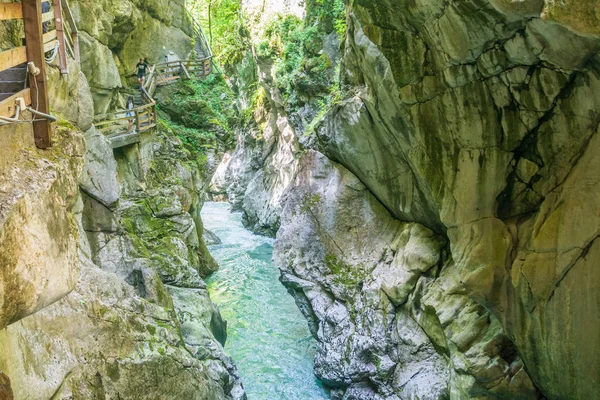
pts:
[49, 46]
[7, 106]
[185, 71]
[48, 16]
[32, 17]
[10, 11]
[47, 37]
[13, 57]
[60, 35]
[137, 120]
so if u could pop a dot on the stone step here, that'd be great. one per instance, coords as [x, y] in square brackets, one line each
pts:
[11, 86]
[4, 96]
[18, 73]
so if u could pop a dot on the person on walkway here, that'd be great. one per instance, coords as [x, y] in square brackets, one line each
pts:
[130, 114]
[46, 8]
[141, 72]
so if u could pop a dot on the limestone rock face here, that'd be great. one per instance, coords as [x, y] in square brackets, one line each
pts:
[472, 127]
[6, 392]
[99, 177]
[105, 340]
[384, 299]
[71, 96]
[38, 240]
[260, 169]
[115, 34]
[481, 140]
[140, 323]
[101, 71]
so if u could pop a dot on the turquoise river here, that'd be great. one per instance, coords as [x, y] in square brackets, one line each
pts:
[268, 337]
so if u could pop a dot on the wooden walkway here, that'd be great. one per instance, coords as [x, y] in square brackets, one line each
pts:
[124, 127]
[49, 33]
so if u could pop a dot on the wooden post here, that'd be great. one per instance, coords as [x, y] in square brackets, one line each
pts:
[184, 70]
[60, 35]
[32, 18]
[138, 125]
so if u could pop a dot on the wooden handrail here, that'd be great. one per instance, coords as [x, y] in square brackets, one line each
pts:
[10, 11]
[103, 117]
[72, 26]
[13, 57]
[145, 116]
[198, 31]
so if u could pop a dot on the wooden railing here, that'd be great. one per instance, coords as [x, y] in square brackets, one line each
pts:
[53, 33]
[43, 32]
[142, 119]
[123, 127]
[71, 32]
[199, 34]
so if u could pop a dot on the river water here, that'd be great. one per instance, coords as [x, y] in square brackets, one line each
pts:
[268, 338]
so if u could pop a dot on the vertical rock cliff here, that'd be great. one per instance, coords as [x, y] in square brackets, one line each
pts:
[440, 231]
[140, 323]
[102, 261]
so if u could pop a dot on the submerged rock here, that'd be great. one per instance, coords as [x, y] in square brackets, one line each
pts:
[210, 238]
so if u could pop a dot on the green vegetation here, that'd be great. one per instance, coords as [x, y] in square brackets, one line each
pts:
[309, 201]
[302, 69]
[345, 274]
[201, 113]
[301, 53]
[224, 25]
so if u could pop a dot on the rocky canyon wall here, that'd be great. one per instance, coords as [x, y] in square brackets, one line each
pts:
[440, 232]
[139, 323]
[115, 34]
[102, 258]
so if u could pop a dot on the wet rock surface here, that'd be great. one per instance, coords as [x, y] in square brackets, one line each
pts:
[384, 298]
[442, 241]
[140, 323]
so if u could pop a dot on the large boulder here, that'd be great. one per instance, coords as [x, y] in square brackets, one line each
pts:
[99, 177]
[38, 199]
[478, 127]
[384, 298]
[111, 339]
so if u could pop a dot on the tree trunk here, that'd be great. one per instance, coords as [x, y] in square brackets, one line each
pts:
[210, 22]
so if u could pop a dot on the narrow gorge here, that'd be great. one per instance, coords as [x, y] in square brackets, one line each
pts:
[300, 199]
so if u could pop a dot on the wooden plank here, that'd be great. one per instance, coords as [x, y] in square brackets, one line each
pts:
[48, 16]
[32, 17]
[50, 46]
[185, 71]
[69, 16]
[49, 36]
[13, 57]
[112, 122]
[7, 106]
[10, 11]
[148, 127]
[111, 129]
